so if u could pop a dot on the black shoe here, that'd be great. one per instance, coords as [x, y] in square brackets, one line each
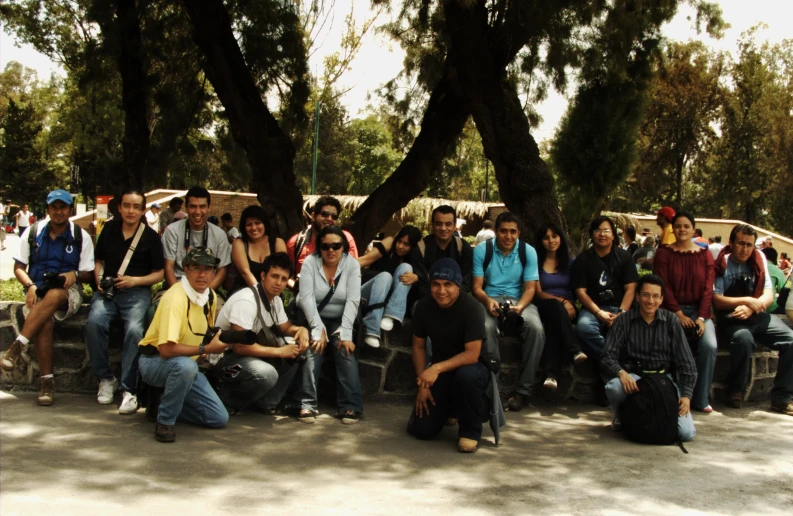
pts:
[349, 417]
[734, 400]
[516, 402]
[164, 433]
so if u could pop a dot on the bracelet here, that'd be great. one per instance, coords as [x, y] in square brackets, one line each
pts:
[27, 287]
[201, 349]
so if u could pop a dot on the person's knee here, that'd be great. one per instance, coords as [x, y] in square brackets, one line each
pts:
[687, 431]
[183, 367]
[420, 430]
[383, 280]
[403, 268]
[263, 374]
[219, 418]
[706, 347]
[742, 340]
[614, 387]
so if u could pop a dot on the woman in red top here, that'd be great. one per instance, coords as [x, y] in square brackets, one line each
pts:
[687, 270]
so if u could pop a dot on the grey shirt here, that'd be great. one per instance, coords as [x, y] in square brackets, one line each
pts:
[314, 286]
[174, 249]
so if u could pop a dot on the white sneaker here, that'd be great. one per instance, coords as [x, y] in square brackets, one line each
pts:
[372, 341]
[106, 390]
[129, 403]
[550, 383]
[387, 324]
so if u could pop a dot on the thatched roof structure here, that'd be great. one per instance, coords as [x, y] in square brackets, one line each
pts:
[421, 206]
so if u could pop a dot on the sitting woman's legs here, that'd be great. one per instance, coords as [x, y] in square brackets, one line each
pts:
[375, 291]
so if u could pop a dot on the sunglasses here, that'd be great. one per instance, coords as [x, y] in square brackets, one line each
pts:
[335, 246]
[331, 214]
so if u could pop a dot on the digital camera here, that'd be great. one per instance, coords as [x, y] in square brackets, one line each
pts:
[108, 285]
[51, 280]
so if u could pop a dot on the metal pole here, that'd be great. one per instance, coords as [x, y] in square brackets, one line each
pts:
[316, 148]
[487, 173]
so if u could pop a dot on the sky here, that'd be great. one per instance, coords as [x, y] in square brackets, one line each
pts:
[380, 59]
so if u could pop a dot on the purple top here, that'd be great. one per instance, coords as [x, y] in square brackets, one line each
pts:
[558, 283]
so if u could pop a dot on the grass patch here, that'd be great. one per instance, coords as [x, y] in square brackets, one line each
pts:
[11, 290]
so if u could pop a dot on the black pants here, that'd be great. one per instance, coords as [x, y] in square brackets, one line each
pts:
[461, 393]
[560, 338]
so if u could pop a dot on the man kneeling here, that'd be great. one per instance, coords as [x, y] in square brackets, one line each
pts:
[174, 341]
[246, 374]
[651, 340]
[455, 384]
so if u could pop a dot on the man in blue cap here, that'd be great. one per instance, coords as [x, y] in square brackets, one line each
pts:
[54, 257]
[455, 384]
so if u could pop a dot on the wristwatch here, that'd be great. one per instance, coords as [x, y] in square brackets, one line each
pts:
[27, 287]
[201, 349]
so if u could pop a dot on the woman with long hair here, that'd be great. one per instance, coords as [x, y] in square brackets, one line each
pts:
[330, 292]
[554, 302]
[254, 245]
[391, 280]
[687, 269]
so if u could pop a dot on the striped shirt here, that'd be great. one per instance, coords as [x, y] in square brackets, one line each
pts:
[657, 345]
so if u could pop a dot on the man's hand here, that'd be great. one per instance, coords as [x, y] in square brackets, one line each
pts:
[685, 321]
[517, 308]
[428, 377]
[700, 327]
[424, 395]
[685, 406]
[122, 282]
[318, 346]
[302, 338]
[215, 346]
[755, 305]
[347, 346]
[409, 278]
[31, 298]
[289, 351]
[605, 317]
[70, 278]
[742, 313]
[628, 383]
[492, 306]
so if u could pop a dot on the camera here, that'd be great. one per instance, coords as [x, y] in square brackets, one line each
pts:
[51, 280]
[606, 295]
[510, 323]
[246, 337]
[108, 285]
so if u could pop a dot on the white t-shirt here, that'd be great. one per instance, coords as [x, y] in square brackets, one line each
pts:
[240, 309]
[485, 234]
[234, 233]
[153, 220]
[23, 219]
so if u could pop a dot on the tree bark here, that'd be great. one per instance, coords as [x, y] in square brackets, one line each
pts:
[134, 93]
[270, 151]
[525, 183]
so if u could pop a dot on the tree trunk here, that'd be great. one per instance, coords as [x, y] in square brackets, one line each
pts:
[270, 151]
[443, 121]
[525, 183]
[134, 93]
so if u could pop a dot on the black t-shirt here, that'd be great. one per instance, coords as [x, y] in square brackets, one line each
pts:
[451, 328]
[598, 274]
[111, 248]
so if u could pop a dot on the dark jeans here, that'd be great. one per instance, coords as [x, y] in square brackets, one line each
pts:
[769, 331]
[244, 381]
[560, 339]
[461, 393]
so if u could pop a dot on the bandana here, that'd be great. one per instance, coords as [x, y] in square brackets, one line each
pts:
[193, 295]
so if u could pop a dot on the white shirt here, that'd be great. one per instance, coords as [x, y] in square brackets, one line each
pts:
[23, 218]
[153, 220]
[240, 309]
[234, 233]
[485, 234]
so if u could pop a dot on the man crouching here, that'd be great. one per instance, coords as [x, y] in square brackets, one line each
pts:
[174, 341]
[455, 384]
[260, 374]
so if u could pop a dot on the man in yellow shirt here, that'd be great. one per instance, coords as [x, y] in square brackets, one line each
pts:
[174, 341]
[664, 220]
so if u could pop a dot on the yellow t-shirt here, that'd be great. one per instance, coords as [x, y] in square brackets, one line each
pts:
[668, 236]
[170, 320]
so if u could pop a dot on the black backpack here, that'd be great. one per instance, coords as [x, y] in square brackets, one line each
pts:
[650, 415]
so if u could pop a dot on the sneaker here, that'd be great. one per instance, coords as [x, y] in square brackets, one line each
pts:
[616, 425]
[516, 402]
[579, 357]
[707, 410]
[306, 416]
[373, 341]
[784, 408]
[465, 445]
[129, 403]
[550, 384]
[46, 392]
[106, 390]
[350, 417]
[9, 361]
[164, 433]
[387, 324]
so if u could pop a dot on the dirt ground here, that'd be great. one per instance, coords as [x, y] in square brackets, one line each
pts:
[78, 457]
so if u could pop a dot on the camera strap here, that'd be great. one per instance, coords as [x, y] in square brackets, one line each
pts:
[266, 336]
[130, 251]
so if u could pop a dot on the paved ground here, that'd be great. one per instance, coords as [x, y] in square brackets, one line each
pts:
[7, 256]
[81, 458]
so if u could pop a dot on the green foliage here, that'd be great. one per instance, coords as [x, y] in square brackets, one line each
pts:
[374, 158]
[11, 290]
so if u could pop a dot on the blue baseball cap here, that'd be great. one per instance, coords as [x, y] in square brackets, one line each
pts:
[156, 205]
[59, 195]
[447, 269]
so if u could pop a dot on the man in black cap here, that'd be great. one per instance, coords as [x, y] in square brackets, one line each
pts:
[455, 383]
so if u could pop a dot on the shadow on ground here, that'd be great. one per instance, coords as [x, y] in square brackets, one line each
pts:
[83, 458]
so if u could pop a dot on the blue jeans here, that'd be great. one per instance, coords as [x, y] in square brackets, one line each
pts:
[131, 305]
[376, 290]
[616, 395]
[187, 396]
[705, 358]
[592, 332]
[349, 394]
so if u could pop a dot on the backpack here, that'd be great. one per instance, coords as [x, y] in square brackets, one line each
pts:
[650, 415]
[423, 246]
[300, 243]
[33, 231]
[489, 254]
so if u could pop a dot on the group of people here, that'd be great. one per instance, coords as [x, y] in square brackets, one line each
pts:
[259, 354]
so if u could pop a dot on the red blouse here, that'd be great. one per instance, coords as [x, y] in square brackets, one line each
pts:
[688, 277]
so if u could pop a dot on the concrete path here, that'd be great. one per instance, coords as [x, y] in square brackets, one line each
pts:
[81, 458]
[7, 256]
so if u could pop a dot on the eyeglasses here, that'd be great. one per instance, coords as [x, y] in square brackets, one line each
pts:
[335, 246]
[647, 296]
[331, 214]
[602, 232]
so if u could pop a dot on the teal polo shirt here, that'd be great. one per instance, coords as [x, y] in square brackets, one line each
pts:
[505, 275]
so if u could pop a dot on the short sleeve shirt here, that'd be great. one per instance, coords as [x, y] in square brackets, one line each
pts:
[240, 309]
[112, 248]
[57, 255]
[451, 328]
[505, 275]
[597, 274]
[174, 249]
